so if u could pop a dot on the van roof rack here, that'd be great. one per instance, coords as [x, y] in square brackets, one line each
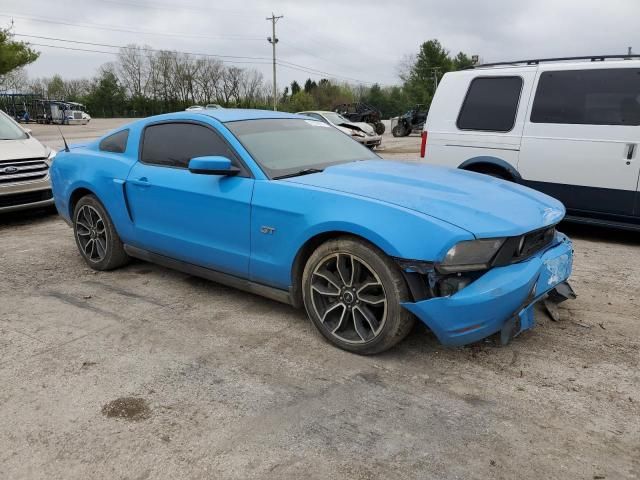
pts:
[536, 61]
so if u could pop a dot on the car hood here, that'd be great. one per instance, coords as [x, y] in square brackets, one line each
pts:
[23, 148]
[482, 205]
[362, 126]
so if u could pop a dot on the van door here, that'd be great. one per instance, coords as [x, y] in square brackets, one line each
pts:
[580, 140]
[479, 114]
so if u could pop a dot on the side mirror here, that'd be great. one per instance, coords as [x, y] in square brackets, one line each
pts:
[212, 166]
[28, 131]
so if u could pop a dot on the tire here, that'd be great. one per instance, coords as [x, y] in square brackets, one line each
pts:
[380, 128]
[96, 237]
[398, 131]
[359, 312]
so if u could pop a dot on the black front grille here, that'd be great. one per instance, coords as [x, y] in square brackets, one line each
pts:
[517, 249]
[535, 241]
[24, 198]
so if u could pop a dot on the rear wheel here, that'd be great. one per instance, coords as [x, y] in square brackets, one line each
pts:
[352, 293]
[96, 237]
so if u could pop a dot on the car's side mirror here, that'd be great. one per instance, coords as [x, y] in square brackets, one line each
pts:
[212, 166]
[28, 131]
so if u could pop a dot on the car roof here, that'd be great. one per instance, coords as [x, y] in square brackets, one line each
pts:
[237, 114]
[559, 65]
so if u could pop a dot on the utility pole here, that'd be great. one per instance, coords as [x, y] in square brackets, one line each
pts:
[273, 40]
[435, 78]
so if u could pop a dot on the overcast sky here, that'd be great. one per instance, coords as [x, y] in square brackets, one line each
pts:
[363, 40]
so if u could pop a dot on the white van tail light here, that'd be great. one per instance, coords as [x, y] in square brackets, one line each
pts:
[423, 146]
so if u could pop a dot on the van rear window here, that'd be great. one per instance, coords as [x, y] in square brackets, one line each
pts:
[588, 97]
[491, 104]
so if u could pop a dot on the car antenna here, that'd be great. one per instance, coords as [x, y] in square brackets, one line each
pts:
[66, 146]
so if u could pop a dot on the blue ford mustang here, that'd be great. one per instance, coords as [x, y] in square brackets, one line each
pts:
[290, 208]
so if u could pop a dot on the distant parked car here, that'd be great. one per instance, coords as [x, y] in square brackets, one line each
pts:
[212, 106]
[194, 107]
[569, 128]
[290, 208]
[360, 131]
[24, 168]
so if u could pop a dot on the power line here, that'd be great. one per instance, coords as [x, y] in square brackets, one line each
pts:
[112, 28]
[283, 63]
[115, 53]
[127, 47]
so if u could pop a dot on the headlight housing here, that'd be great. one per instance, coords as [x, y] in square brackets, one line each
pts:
[470, 255]
[357, 134]
[52, 154]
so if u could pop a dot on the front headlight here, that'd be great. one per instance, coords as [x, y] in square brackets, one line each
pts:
[470, 255]
[51, 156]
[357, 134]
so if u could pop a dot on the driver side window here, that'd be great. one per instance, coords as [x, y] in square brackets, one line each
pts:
[174, 144]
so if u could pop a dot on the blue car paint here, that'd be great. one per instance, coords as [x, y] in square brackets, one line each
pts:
[482, 308]
[483, 205]
[257, 226]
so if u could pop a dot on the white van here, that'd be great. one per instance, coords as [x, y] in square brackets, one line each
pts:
[568, 127]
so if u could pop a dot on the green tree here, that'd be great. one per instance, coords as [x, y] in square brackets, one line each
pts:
[295, 87]
[56, 88]
[107, 96]
[461, 61]
[301, 101]
[431, 63]
[309, 85]
[14, 54]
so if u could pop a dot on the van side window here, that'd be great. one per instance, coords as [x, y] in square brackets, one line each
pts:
[116, 143]
[491, 104]
[588, 97]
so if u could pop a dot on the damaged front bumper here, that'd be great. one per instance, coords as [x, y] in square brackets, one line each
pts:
[501, 300]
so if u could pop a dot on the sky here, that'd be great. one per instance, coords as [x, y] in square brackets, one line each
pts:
[359, 41]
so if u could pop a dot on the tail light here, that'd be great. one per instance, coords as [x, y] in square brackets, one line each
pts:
[423, 147]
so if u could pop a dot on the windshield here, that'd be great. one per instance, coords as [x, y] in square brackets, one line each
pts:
[9, 130]
[335, 118]
[287, 146]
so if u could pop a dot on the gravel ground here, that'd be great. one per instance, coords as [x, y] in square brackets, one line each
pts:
[146, 373]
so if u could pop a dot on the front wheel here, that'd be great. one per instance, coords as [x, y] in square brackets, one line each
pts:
[96, 237]
[398, 131]
[352, 293]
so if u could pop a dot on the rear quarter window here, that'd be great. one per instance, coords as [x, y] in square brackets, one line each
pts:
[116, 143]
[491, 104]
[588, 97]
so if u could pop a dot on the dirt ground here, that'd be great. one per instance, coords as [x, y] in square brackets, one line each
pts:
[146, 373]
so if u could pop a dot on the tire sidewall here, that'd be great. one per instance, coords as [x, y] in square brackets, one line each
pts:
[112, 236]
[396, 292]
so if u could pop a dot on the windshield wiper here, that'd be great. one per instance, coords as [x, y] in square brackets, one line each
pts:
[305, 171]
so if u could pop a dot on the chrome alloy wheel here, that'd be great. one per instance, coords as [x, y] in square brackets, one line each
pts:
[348, 298]
[91, 233]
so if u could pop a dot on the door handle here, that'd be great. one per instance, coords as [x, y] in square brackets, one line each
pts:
[140, 182]
[631, 150]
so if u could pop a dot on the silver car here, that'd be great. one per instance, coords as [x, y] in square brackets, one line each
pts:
[359, 131]
[24, 168]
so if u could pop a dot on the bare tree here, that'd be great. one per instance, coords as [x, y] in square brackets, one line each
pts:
[14, 81]
[133, 69]
[250, 83]
[231, 77]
